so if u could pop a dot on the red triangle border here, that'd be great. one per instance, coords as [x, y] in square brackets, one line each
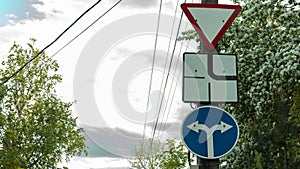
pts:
[210, 46]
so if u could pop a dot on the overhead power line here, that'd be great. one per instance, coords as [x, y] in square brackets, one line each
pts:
[166, 60]
[56, 39]
[154, 54]
[152, 67]
[163, 124]
[169, 69]
[67, 44]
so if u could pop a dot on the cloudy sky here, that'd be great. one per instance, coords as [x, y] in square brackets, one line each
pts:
[107, 69]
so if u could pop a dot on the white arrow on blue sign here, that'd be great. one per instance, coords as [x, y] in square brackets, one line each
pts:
[210, 132]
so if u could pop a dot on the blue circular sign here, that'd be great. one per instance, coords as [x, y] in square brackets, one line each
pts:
[210, 132]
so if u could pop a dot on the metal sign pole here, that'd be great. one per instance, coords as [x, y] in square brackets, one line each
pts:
[206, 163]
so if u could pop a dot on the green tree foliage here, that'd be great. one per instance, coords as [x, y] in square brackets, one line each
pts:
[157, 155]
[265, 37]
[294, 118]
[174, 155]
[145, 155]
[36, 127]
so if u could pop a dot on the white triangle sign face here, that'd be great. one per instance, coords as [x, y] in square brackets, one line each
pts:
[210, 20]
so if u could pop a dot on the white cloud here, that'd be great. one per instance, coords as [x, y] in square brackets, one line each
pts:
[140, 3]
[11, 16]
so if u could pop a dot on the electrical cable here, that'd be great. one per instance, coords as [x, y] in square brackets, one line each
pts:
[163, 124]
[152, 67]
[86, 28]
[170, 65]
[165, 121]
[172, 98]
[56, 39]
[68, 43]
[178, 76]
[154, 54]
[166, 60]
[169, 94]
[162, 128]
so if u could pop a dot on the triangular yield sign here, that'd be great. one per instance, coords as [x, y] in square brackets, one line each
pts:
[210, 20]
